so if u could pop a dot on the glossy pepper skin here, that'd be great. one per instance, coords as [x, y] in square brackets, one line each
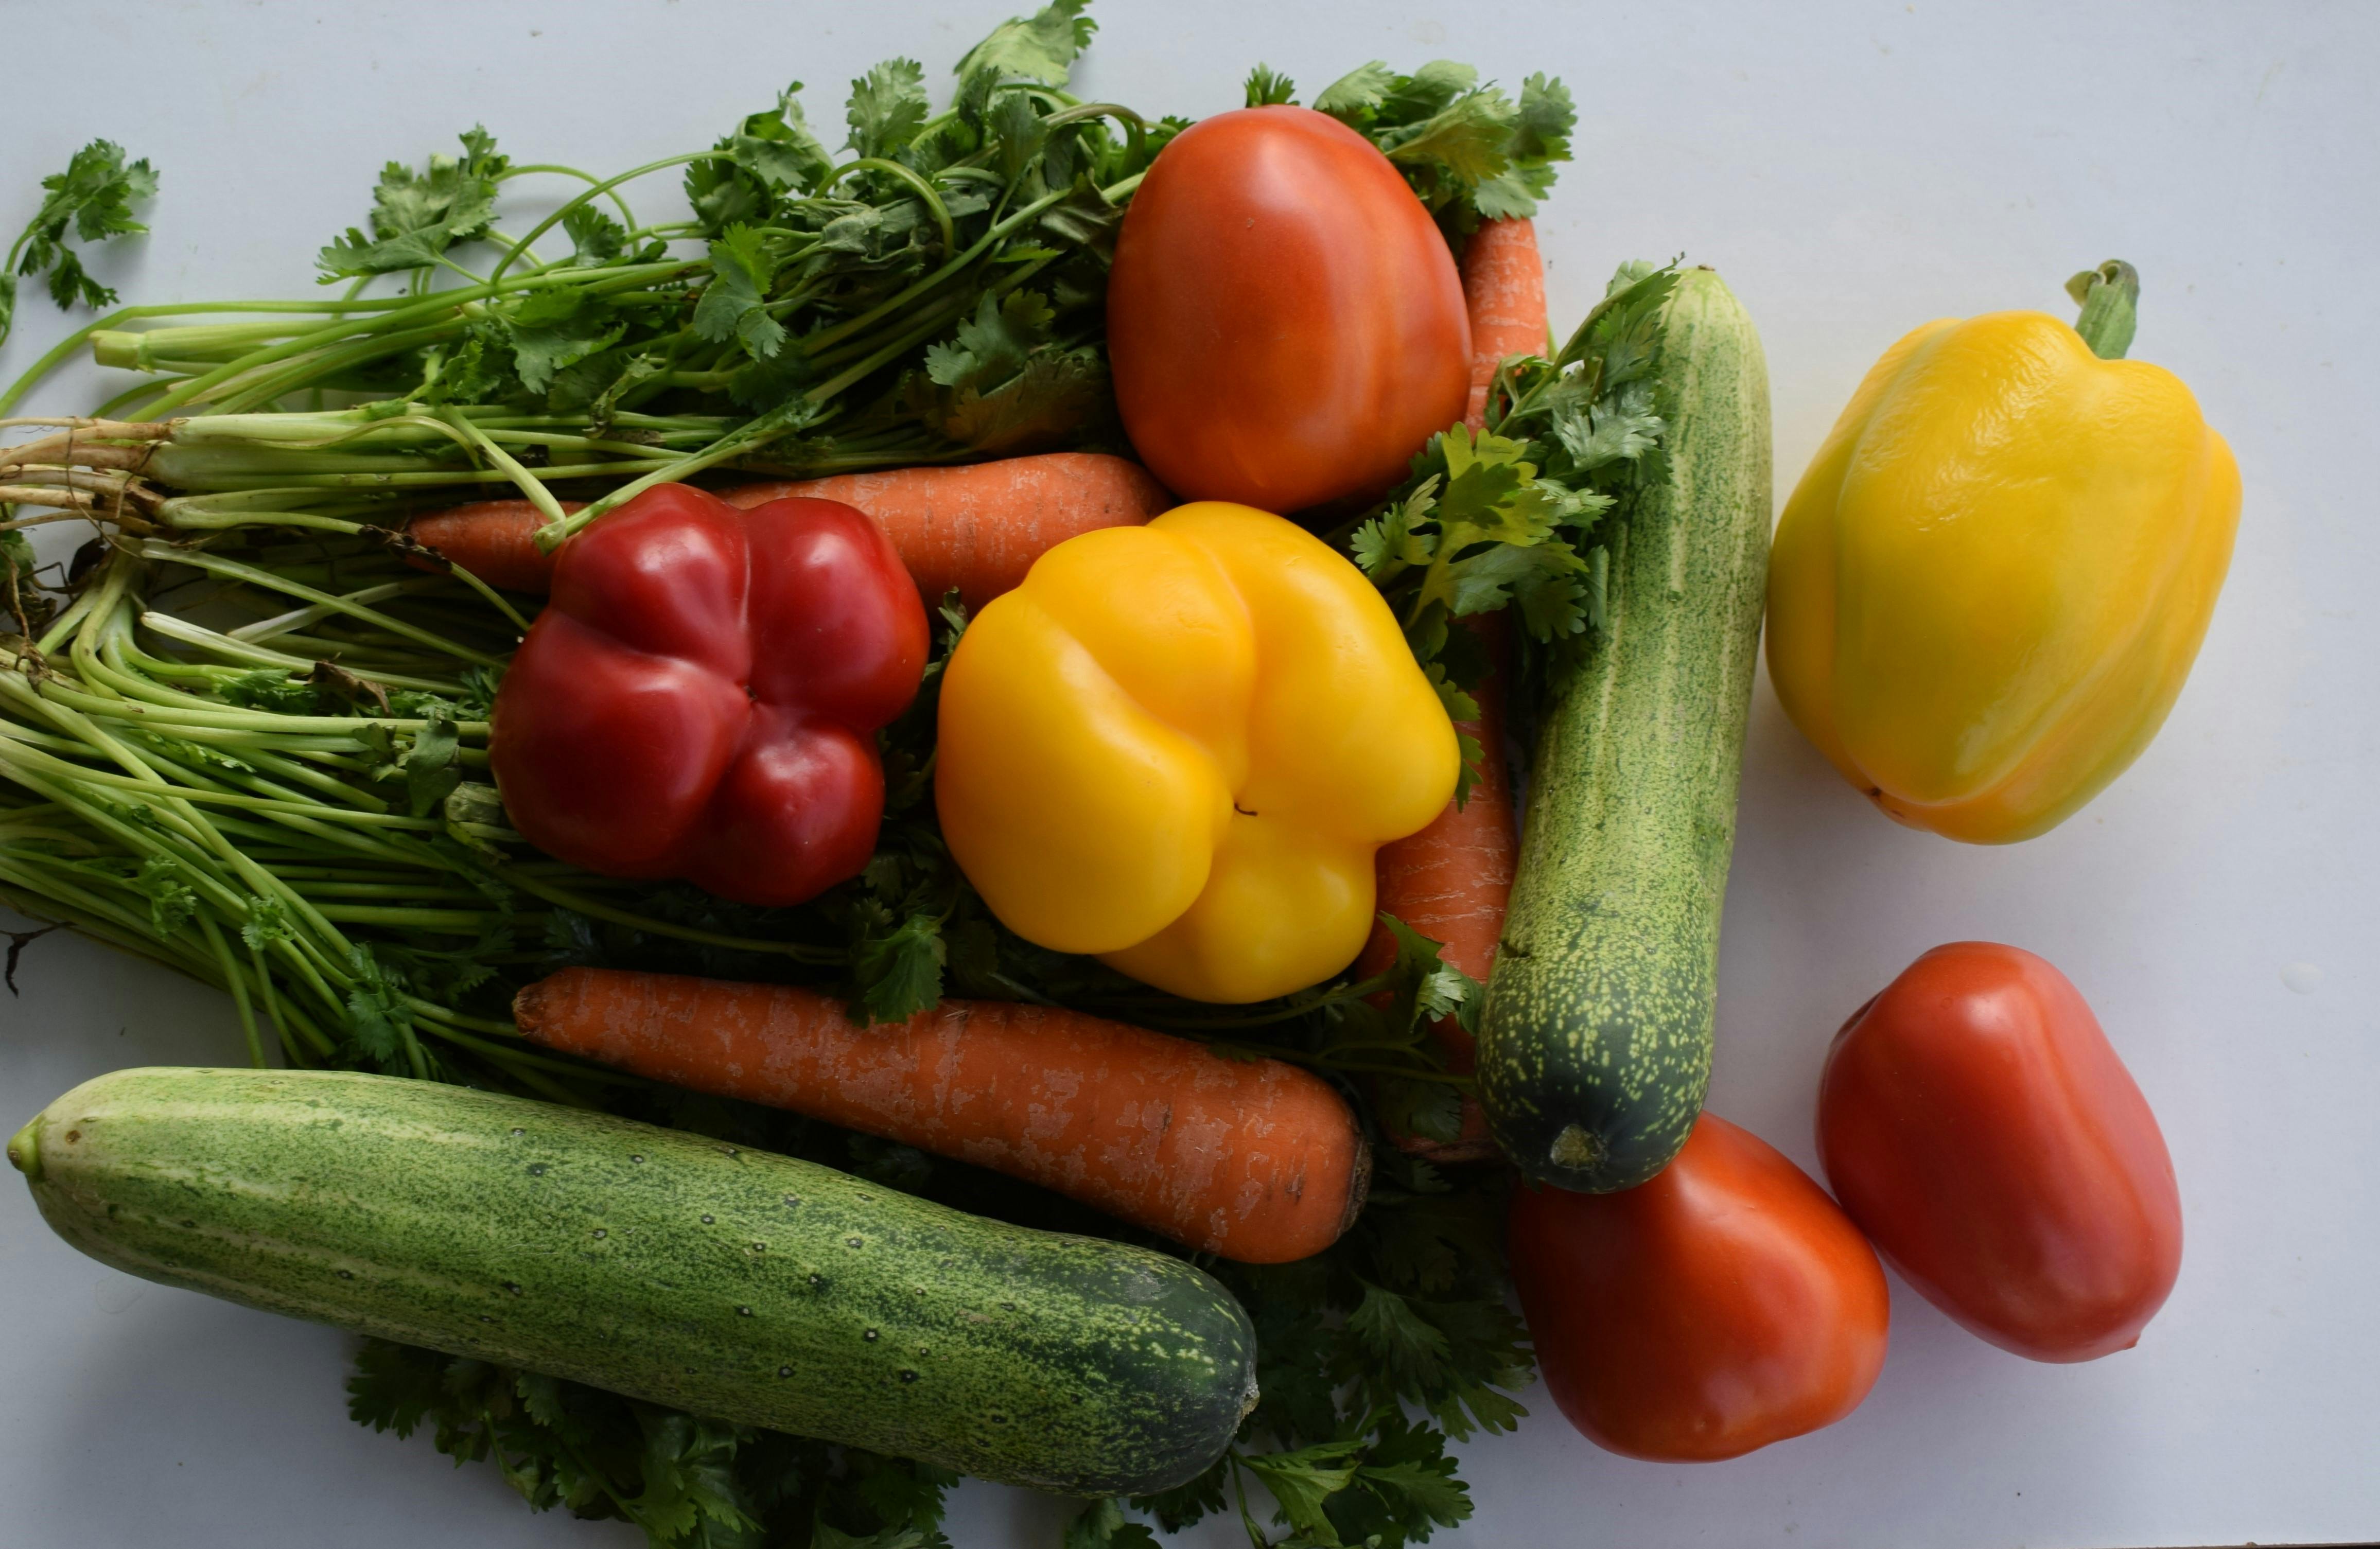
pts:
[699, 698]
[1177, 747]
[1988, 587]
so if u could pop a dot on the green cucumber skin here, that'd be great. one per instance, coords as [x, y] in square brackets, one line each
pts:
[660, 1264]
[1595, 1045]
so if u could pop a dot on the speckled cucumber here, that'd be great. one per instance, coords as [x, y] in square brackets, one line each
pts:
[732, 1283]
[1595, 1045]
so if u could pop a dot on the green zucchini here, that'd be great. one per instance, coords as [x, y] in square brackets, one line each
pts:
[668, 1266]
[1594, 1044]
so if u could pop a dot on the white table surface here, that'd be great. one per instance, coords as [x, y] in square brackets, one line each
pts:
[1852, 169]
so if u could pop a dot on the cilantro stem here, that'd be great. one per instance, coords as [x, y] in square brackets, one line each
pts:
[605, 186]
[627, 216]
[923, 189]
[237, 981]
[538, 495]
[234, 569]
[423, 306]
[580, 903]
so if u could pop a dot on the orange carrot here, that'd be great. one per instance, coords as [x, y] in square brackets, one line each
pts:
[1504, 290]
[1450, 882]
[979, 527]
[495, 540]
[1255, 1160]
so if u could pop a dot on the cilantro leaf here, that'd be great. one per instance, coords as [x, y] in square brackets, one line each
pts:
[1622, 428]
[723, 194]
[1360, 90]
[417, 216]
[1410, 1349]
[1020, 132]
[1049, 402]
[734, 302]
[595, 238]
[1429, 1108]
[1430, 90]
[171, 901]
[689, 1480]
[778, 149]
[556, 329]
[268, 922]
[1266, 87]
[378, 1018]
[433, 766]
[1469, 152]
[1042, 47]
[1103, 1525]
[1466, 138]
[1394, 541]
[393, 1389]
[887, 107]
[1302, 1481]
[992, 346]
[1193, 1501]
[93, 196]
[1404, 1490]
[899, 972]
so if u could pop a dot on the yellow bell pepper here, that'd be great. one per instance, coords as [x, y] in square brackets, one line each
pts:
[1178, 745]
[1988, 587]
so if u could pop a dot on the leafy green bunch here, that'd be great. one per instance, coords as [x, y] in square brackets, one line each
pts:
[93, 198]
[1469, 152]
[933, 294]
[1507, 519]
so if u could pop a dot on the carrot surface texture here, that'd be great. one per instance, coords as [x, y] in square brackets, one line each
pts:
[1504, 290]
[977, 528]
[1255, 1160]
[1450, 882]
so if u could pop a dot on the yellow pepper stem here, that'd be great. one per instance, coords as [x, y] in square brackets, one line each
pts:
[2110, 299]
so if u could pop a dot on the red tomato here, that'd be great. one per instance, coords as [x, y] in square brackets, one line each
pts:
[1284, 321]
[1723, 1306]
[1979, 1127]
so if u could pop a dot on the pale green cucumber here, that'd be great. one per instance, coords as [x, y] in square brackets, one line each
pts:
[734, 1283]
[1595, 1045]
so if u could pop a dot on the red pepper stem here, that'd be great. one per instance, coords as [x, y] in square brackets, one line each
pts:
[2110, 299]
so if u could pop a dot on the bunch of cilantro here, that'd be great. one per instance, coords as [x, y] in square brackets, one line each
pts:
[935, 293]
[1468, 152]
[1508, 519]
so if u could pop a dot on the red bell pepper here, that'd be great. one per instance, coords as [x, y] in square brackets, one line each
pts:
[699, 697]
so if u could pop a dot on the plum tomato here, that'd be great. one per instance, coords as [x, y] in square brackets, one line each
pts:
[1285, 322]
[1976, 1123]
[1724, 1305]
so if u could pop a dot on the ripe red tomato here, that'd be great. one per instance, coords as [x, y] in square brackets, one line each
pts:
[1723, 1306]
[1976, 1124]
[1284, 321]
